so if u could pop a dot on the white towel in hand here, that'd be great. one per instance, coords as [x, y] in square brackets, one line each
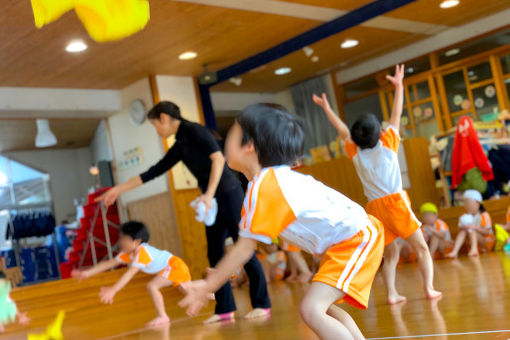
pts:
[200, 214]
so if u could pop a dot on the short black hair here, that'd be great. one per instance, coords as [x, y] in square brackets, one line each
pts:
[136, 230]
[276, 134]
[2, 275]
[366, 130]
[482, 208]
[165, 107]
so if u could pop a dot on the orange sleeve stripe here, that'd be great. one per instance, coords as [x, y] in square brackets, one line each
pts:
[350, 148]
[143, 257]
[124, 257]
[390, 139]
[508, 215]
[486, 220]
[272, 213]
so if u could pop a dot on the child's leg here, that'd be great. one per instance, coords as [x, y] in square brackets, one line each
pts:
[154, 287]
[442, 245]
[326, 322]
[425, 262]
[391, 256]
[293, 267]
[473, 240]
[305, 274]
[459, 241]
[434, 245]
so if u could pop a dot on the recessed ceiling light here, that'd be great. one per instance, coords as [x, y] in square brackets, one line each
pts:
[187, 55]
[308, 51]
[315, 58]
[449, 4]
[349, 43]
[76, 46]
[452, 52]
[282, 70]
[410, 69]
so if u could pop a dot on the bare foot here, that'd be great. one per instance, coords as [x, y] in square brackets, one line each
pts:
[433, 294]
[258, 313]
[304, 277]
[159, 321]
[291, 278]
[473, 253]
[219, 318]
[394, 299]
[451, 255]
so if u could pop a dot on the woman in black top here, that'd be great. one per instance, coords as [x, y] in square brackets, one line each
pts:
[200, 152]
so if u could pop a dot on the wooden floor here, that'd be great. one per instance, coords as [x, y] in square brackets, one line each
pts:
[476, 303]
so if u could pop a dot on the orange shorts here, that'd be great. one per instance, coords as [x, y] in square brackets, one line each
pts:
[288, 247]
[351, 265]
[177, 271]
[394, 211]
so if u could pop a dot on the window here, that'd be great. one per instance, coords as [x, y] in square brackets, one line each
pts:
[456, 92]
[20, 184]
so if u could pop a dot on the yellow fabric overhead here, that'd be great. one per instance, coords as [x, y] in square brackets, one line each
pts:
[104, 20]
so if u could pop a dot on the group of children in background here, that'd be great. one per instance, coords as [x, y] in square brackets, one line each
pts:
[284, 210]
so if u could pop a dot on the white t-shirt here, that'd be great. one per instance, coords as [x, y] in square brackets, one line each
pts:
[150, 260]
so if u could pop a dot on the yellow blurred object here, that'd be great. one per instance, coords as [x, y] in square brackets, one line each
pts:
[109, 20]
[429, 208]
[53, 331]
[47, 11]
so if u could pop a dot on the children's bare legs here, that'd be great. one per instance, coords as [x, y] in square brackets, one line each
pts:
[154, 287]
[325, 319]
[459, 241]
[304, 271]
[2, 328]
[434, 245]
[417, 242]
[473, 240]
[293, 268]
[391, 256]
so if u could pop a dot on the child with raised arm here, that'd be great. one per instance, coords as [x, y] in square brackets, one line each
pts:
[374, 153]
[169, 270]
[262, 144]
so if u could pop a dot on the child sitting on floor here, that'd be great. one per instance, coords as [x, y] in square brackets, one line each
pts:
[436, 231]
[299, 270]
[273, 261]
[8, 310]
[262, 144]
[169, 270]
[475, 226]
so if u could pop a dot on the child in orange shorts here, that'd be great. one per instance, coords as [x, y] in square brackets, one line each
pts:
[374, 153]
[169, 270]
[262, 144]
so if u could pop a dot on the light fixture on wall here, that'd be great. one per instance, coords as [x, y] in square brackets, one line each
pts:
[76, 46]
[348, 43]
[94, 170]
[282, 70]
[449, 4]
[44, 138]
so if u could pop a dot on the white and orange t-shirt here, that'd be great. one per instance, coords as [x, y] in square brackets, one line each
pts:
[484, 221]
[378, 167]
[150, 260]
[299, 209]
[508, 216]
[441, 225]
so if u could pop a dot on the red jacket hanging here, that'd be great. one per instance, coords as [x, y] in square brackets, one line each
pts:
[468, 153]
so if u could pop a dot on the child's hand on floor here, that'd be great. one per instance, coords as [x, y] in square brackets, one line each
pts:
[197, 296]
[107, 294]
[80, 275]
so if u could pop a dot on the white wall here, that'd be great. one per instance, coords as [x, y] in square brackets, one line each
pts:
[181, 91]
[69, 175]
[227, 101]
[125, 135]
[100, 145]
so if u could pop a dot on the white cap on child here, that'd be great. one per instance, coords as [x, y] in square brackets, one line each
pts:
[466, 220]
[474, 195]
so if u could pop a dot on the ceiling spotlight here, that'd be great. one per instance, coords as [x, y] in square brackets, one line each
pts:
[282, 70]
[449, 4]
[45, 136]
[76, 46]
[237, 81]
[315, 58]
[308, 51]
[187, 55]
[349, 43]
[452, 52]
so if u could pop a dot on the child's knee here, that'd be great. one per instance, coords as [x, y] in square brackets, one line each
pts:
[151, 286]
[309, 311]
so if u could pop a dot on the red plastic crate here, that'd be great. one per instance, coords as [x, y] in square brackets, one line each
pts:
[92, 197]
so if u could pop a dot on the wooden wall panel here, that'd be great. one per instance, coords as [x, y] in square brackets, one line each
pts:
[157, 213]
[193, 240]
[422, 178]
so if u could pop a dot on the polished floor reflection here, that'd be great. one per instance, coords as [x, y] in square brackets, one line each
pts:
[476, 305]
